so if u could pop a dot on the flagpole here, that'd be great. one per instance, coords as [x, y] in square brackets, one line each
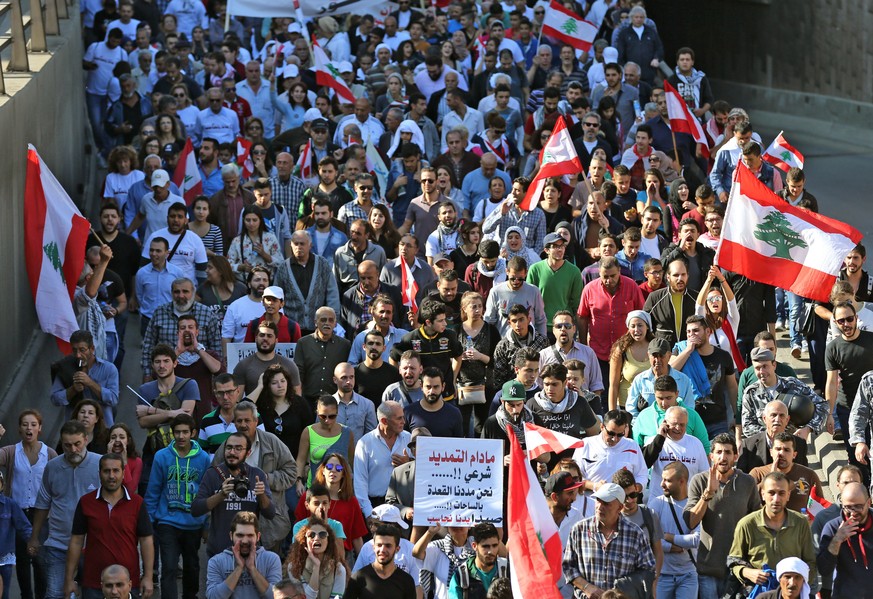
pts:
[100, 239]
[675, 151]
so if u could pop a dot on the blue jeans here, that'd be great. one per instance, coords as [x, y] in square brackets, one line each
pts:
[781, 305]
[175, 542]
[55, 566]
[96, 113]
[795, 303]
[710, 587]
[678, 586]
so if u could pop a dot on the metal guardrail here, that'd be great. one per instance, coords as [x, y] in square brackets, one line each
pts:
[28, 27]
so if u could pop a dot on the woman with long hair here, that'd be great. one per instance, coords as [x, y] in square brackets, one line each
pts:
[169, 134]
[185, 109]
[262, 164]
[550, 203]
[150, 145]
[496, 195]
[255, 245]
[313, 561]
[716, 302]
[385, 232]
[539, 140]
[319, 439]
[609, 123]
[123, 172]
[90, 413]
[467, 252]
[255, 130]
[292, 109]
[444, 182]
[200, 45]
[283, 413]
[121, 441]
[220, 289]
[629, 357]
[208, 232]
[476, 378]
[335, 474]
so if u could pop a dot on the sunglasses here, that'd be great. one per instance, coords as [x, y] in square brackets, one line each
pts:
[428, 180]
[327, 416]
[500, 131]
[592, 124]
[610, 433]
[563, 326]
[846, 320]
[259, 153]
[322, 534]
[278, 423]
[365, 187]
[634, 496]
[334, 467]
[714, 299]
[517, 280]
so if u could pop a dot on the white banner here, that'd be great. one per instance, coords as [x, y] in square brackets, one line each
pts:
[309, 8]
[236, 352]
[458, 482]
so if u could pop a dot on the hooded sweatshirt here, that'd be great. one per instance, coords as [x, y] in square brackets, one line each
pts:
[173, 485]
[223, 564]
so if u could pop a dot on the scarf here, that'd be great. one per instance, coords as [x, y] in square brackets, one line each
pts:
[501, 150]
[562, 406]
[861, 530]
[732, 341]
[496, 274]
[695, 370]
[447, 546]
[504, 420]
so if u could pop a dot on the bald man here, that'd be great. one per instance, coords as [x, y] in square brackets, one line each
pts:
[355, 302]
[355, 411]
[756, 449]
[115, 582]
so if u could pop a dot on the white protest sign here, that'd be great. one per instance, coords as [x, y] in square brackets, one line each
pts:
[236, 352]
[458, 482]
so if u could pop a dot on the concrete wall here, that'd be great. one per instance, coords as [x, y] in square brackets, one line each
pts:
[46, 107]
[817, 49]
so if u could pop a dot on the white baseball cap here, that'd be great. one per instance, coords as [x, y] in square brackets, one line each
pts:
[389, 513]
[160, 178]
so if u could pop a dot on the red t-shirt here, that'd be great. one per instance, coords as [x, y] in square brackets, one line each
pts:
[345, 511]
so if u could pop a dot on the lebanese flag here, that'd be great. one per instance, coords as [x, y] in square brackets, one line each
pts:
[783, 155]
[557, 158]
[408, 286]
[534, 545]
[303, 168]
[816, 504]
[565, 25]
[327, 74]
[770, 241]
[682, 120]
[55, 233]
[244, 158]
[541, 440]
[376, 167]
[187, 175]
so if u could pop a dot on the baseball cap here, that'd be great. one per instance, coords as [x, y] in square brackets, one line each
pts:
[289, 71]
[295, 28]
[609, 492]
[437, 258]
[311, 114]
[762, 354]
[345, 67]
[659, 345]
[560, 482]
[610, 54]
[552, 238]
[390, 513]
[319, 123]
[160, 178]
[274, 291]
[513, 391]
[419, 431]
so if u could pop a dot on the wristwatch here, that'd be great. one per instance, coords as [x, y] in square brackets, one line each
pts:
[201, 347]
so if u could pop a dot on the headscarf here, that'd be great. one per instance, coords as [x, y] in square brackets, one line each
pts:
[529, 255]
[407, 126]
[642, 315]
[796, 566]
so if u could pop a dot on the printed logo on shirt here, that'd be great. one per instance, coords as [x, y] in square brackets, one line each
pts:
[444, 344]
[416, 345]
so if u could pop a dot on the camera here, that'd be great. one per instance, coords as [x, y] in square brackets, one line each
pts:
[241, 486]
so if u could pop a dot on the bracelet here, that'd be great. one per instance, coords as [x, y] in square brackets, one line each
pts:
[587, 584]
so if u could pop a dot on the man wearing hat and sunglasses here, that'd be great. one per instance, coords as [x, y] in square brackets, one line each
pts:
[626, 563]
[642, 390]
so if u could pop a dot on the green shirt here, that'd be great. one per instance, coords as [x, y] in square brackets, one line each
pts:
[561, 289]
[755, 545]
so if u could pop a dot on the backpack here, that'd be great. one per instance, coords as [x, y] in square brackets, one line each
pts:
[464, 574]
[161, 436]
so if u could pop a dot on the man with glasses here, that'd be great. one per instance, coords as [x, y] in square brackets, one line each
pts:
[844, 539]
[217, 121]
[231, 100]
[515, 291]
[713, 218]
[590, 141]
[610, 451]
[217, 496]
[559, 281]
[423, 211]
[567, 348]
[363, 203]
[218, 424]
[670, 444]
[317, 355]
[847, 358]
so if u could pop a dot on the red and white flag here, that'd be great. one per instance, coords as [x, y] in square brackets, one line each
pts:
[783, 155]
[244, 157]
[327, 74]
[534, 544]
[303, 168]
[55, 233]
[568, 27]
[376, 167]
[816, 504]
[408, 286]
[541, 440]
[682, 120]
[770, 241]
[187, 174]
[557, 158]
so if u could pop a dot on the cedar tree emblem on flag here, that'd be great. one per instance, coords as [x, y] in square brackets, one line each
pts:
[53, 254]
[569, 27]
[775, 230]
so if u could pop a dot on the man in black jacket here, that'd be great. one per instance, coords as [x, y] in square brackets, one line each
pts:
[756, 449]
[660, 305]
[698, 257]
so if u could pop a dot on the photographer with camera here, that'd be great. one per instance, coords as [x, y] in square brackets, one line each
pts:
[228, 488]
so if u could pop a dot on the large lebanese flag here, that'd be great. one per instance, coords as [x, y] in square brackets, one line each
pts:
[187, 175]
[568, 27]
[244, 158]
[408, 286]
[55, 233]
[327, 74]
[557, 158]
[540, 440]
[768, 240]
[681, 119]
[534, 545]
[783, 155]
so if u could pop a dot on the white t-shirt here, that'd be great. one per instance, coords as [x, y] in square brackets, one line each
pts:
[599, 462]
[117, 186]
[106, 58]
[129, 30]
[688, 450]
[436, 561]
[190, 252]
[650, 247]
[223, 127]
[155, 213]
[437, 243]
[239, 314]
